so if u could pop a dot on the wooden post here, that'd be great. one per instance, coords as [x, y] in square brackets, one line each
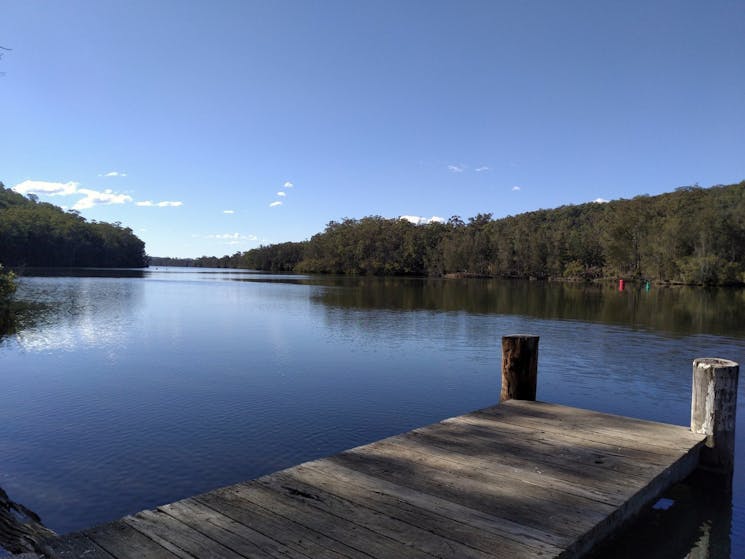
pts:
[519, 367]
[713, 409]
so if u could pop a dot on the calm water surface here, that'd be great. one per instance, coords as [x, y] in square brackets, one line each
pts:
[122, 391]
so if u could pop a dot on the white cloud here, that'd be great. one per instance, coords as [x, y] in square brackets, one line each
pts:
[601, 201]
[225, 236]
[456, 168]
[416, 220]
[275, 204]
[481, 169]
[96, 198]
[516, 188]
[288, 184]
[228, 211]
[90, 197]
[46, 187]
[113, 174]
[232, 237]
[280, 193]
[164, 204]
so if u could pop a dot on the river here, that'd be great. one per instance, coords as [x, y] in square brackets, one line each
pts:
[122, 390]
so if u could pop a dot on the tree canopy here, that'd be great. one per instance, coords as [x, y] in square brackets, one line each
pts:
[34, 233]
[693, 235]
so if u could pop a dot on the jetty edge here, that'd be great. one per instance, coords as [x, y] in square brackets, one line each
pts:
[520, 479]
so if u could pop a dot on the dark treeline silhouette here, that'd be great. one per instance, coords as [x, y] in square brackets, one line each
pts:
[201, 262]
[693, 235]
[34, 233]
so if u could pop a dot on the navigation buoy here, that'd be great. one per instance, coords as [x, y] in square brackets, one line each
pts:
[620, 285]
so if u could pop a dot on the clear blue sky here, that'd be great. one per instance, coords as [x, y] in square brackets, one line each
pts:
[423, 108]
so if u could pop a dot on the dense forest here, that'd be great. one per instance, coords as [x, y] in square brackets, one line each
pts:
[693, 235]
[34, 233]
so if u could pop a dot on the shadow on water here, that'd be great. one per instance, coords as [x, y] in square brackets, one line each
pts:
[19, 315]
[678, 310]
[692, 520]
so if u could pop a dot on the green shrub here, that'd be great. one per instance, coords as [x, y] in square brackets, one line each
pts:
[7, 284]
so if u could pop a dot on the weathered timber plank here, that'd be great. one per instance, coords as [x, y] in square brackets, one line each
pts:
[678, 471]
[234, 535]
[510, 434]
[557, 417]
[124, 542]
[489, 521]
[343, 530]
[590, 434]
[442, 466]
[407, 534]
[177, 537]
[474, 491]
[74, 546]
[443, 518]
[288, 532]
[588, 472]
[523, 479]
[516, 471]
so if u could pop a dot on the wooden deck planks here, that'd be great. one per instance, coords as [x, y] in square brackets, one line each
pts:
[522, 479]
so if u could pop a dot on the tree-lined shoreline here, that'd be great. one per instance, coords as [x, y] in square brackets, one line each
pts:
[34, 233]
[693, 235]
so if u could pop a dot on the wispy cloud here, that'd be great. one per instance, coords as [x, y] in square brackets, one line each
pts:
[228, 211]
[164, 204]
[481, 169]
[231, 238]
[456, 168]
[416, 220]
[96, 198]
[113, 174]
[516, 188]
[275, 204]
[288, 184]
[601, 201]
[280, 193]
[90, 197]
[46, 187]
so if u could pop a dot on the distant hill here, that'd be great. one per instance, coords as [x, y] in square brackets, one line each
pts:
[36, 233]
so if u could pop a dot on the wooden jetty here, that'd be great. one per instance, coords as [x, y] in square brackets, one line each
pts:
[521, 479]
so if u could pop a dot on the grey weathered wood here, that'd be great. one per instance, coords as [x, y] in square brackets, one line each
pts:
[519, 367]
[75, 546]
[180, 539]
[227, 531]
[523, 479]
[284, 530]
[536, 508]
[440, 517]
[124, 542]
[298, 509]
[538, 542]
[327, 499]
[713, 411]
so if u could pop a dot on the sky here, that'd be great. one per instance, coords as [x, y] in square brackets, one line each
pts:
[211, 127]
